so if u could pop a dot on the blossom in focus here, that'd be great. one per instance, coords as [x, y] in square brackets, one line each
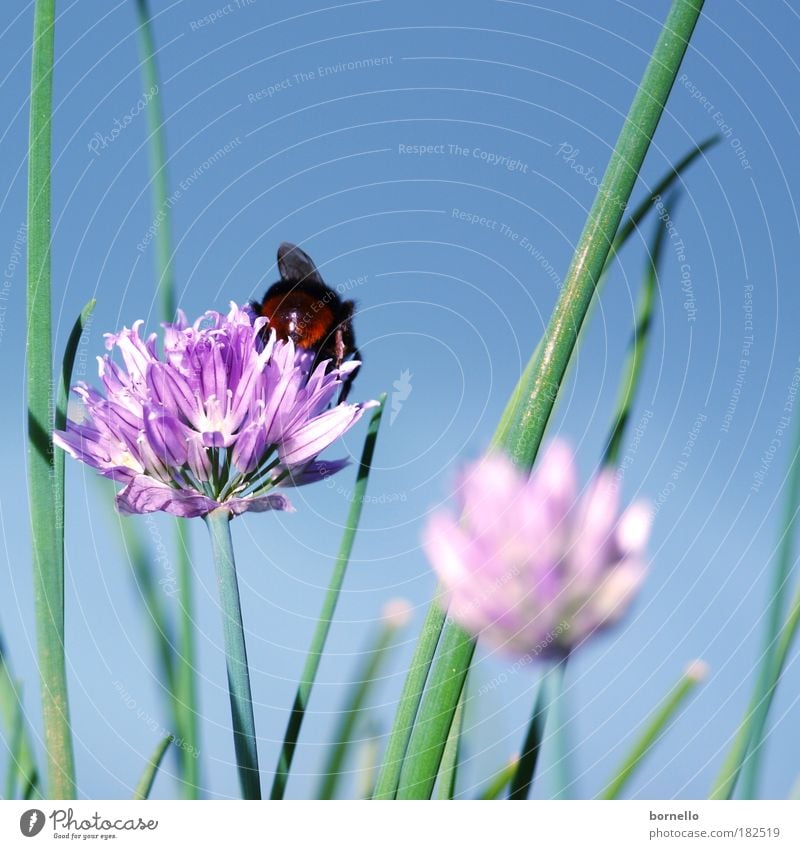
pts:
[530, 565]
[220, 419]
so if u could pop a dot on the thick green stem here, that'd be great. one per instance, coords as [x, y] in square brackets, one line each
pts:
[45, 466]
[535, 401]
[410, 698]
[323, 627]
[432, 728]
[244, 727]
[520, 432]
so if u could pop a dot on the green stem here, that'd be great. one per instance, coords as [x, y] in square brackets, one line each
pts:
[758, 709]
[165, 287]
[323, 626]
[526, 768]
[431, 730]
[345, 728]
[632, 369]
[410, 698]
[626, 230]
[536, 400]
[145, 784]
[654, 728]
[185, 685]
[186, 694]
[244, 727]
[45, 466]
[448, 772]
[561, 741]
[520, 432]
[775, 613]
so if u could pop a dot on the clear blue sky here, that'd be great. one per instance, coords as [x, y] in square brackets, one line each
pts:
[292, 122]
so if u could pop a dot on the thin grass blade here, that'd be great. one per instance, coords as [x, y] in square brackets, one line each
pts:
[655, 727]
[185, 697]
[775, 613]
[145, 784]
[640, 340]
[531, 749]
[500, 781]
[758, 709]
[12, 711]
[323, 626]
[165, 286]
[366, 676]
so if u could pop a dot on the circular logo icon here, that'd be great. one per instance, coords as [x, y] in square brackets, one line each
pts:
[31, 822]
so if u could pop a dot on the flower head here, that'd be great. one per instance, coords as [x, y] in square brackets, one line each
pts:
[529, 565]
[219, 420]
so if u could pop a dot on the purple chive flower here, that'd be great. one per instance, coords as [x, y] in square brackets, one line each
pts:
[219, 420]
[529, 565]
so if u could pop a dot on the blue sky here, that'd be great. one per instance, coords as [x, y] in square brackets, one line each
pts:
[438, 161]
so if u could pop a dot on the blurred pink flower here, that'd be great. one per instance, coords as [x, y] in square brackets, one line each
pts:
[530, 566]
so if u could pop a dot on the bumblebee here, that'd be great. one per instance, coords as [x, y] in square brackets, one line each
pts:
[302, 307]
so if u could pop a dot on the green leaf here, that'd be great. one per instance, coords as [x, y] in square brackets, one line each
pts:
[45, 465]
[654, 728]
[521, 433]
[323, 626]
[145, 784]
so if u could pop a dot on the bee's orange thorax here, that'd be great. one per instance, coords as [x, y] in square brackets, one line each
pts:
[299, 315]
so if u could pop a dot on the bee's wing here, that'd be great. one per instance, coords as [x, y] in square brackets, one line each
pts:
[296, 266]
